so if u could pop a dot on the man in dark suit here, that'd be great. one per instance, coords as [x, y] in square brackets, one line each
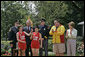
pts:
[28, 41]
[12, 37]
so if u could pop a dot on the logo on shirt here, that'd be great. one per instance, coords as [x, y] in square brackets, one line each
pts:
[44, 29]
[22, 37]
[35, 38]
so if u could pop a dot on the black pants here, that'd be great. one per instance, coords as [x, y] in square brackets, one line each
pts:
[12, 48]
[45, 46]
[28, 49]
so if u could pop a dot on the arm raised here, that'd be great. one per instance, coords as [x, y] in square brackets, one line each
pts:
[27, 33]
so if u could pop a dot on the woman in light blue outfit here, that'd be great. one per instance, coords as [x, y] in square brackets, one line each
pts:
[71, 35]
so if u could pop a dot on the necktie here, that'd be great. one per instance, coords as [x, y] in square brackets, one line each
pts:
[28, 29]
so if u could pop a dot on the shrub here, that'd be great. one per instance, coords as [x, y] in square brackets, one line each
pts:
[5, 48]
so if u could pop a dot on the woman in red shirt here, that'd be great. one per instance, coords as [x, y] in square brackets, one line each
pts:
[35, 45]
[21, 41]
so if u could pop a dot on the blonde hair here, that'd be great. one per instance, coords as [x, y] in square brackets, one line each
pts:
[72, 24]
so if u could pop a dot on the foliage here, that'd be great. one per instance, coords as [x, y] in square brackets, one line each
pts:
[11, 11]
[5, 48]
[51, 10]
[80, 48]
[66, 11]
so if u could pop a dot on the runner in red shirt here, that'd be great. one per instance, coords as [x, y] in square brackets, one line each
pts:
[35, 45]
[21, 41]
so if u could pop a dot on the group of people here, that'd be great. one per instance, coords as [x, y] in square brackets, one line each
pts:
[35, 39]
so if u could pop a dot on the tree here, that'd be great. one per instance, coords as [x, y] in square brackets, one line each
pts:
[11, 11]
[66, 11]
[51, 10]
[75, 13]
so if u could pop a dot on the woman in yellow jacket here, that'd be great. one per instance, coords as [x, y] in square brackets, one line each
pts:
[57, 32]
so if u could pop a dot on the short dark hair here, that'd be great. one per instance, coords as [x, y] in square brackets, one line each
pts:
[36, 26]
[19, 26]
[43, 20]
[17, 21]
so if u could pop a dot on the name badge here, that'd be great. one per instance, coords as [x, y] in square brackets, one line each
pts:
[44, 29]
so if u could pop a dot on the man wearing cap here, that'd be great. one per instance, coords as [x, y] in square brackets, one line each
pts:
[12, 36]
[45, 33]
[28, 41]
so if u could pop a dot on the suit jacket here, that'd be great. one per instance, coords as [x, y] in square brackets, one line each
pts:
[27, 37]
[12, 34]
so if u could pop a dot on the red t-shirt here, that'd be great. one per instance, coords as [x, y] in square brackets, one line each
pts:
[35, 40]
[22, 38]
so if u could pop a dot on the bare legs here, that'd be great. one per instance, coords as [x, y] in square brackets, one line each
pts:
[35, 52]
[21, 52]
[59, 54]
